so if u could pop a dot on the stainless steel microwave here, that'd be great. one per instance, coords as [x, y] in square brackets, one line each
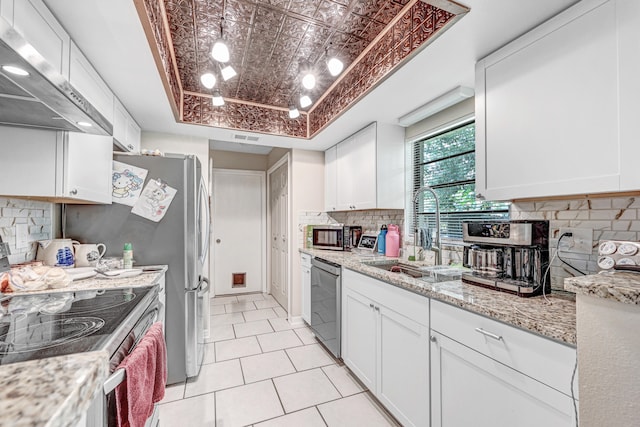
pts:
[336, 237]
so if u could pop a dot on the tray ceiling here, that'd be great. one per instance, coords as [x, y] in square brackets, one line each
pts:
[269, 39]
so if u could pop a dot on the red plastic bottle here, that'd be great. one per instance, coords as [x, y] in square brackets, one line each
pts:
[392, 241]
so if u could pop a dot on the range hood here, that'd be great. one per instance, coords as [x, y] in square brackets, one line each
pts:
[44, 98]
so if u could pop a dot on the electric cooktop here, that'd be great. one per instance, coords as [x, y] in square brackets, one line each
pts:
[57, 324]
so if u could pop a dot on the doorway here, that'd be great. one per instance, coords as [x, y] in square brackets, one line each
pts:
[278, 177]
[239, 230]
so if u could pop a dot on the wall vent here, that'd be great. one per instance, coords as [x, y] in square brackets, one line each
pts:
[241, 137]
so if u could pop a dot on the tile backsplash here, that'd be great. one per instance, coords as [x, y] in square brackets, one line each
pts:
[34, 217]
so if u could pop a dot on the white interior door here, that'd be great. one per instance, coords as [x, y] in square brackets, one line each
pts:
[239, 229]
[279, 238]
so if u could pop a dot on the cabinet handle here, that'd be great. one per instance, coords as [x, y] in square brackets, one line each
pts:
[130, 147]
[489, 334]
[480, 196]
[377, 308]
[432, 338]
[370, 305]
[73, 192]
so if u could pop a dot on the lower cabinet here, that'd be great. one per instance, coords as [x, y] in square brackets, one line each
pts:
[386, 345]
[484, 373]
[305, 263]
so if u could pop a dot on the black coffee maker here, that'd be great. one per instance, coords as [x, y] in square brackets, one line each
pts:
[509, 256]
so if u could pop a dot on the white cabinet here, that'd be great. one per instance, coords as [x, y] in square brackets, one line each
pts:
[305, 268]
[40, 29]
[88, 82]
[385, 343]
[66, 167]
[126, 132]
[366, 170]
[556, 108]
[500, 375]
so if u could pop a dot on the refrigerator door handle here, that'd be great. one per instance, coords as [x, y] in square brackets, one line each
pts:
[204, 198]
[203, 289]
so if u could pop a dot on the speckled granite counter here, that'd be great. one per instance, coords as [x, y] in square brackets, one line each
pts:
[555, 318]
[615, 286]
[52, 392]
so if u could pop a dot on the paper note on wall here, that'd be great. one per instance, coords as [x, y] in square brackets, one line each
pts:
[154, 200]
[127, 182]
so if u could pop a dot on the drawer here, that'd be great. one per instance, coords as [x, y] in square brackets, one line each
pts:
[545, 360]
[409, 304]
[305, 260]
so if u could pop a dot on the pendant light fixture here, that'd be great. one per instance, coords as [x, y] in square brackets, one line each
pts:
[208, 80]
[308, 78]
[217, 99]
[227, 72]
[305, 101]
[334, 64]
[293, 112]
[220, 50]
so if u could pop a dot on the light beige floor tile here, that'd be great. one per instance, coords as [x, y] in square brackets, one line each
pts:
[251, 297]
[247, 404]
[306, 335]
[357, 410]
[217, 309]
[209, 354]
[266, 365]
[240, 347]
[214, 377]
[269, 297]
[252, 328]
[227, 319]
[279, 340]
[194, 412]
[238, 307]
[280, 324]
[343, 380]
[265, 313]
[223, 300]
[281, 312]
[220, 333]
[267, 303]
[306, 418]
[305, 389]
[309, 357]
[173, 392]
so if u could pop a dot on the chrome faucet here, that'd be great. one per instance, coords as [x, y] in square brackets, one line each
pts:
[438, 246]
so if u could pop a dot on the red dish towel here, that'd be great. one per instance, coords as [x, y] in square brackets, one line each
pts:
[146, 376]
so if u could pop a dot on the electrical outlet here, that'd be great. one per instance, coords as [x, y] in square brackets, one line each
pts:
[580, 242]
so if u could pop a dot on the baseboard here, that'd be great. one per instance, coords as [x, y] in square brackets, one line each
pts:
[296, 321]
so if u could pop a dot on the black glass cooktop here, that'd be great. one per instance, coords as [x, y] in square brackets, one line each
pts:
[56, 324]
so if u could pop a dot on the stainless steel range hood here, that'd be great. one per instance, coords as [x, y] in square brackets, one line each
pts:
[44, 98]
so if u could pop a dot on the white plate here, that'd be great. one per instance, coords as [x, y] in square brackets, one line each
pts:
[121, 274]
[81, 273]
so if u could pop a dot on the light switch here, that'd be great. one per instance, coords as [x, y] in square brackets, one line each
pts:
[22, 236]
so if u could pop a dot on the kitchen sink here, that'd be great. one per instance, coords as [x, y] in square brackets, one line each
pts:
[430, 274]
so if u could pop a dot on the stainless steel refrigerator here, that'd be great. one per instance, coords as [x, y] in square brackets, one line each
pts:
[180, 240]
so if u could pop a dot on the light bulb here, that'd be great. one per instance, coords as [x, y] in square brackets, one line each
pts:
[228, 72]
[335, 66]
[15, 70]
[208, 80]
[220, 51]
[85, 124]
[293, 112]
[309, 81]
[217, 99]
[305, 101]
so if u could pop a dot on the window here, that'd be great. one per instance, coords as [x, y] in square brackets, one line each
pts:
[446, 162]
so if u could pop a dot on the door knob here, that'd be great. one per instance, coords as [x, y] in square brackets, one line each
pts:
[217, 240]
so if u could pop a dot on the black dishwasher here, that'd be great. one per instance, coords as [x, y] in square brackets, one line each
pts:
[326, 303]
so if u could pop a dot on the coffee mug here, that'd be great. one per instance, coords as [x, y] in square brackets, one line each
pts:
[88, 254]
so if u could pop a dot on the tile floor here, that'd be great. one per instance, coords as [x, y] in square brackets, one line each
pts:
[260, 371]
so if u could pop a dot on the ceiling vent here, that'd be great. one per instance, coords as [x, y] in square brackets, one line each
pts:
[241, 137]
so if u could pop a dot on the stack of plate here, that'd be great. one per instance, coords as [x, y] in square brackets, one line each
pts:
[612, 253]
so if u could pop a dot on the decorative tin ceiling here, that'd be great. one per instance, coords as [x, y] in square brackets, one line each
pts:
[268, 39]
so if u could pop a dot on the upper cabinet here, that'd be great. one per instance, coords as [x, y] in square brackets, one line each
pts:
[68, 167]
[366, 170]
[554, 108]
[126, 132]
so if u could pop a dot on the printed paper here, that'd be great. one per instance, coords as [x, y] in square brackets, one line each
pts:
[154, 200]
[127, 181]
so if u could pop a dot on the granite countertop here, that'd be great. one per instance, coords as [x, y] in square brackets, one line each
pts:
[53, 392]
[616, 286]
[56, 391]
[554, 317]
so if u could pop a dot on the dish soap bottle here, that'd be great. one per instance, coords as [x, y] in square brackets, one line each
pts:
[127, 256]
[392, 242]
[381, 239]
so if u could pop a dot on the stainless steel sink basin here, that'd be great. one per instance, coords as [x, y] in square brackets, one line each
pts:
[430, 274]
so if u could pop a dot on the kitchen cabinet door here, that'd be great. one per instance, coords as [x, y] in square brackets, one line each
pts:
[126, 132]
[355, 171]
[547, 109]
[471, 389]
[306, 287]
[330, 178]
[88, 82]
[88, 167]
[359, 343]
[403, 376]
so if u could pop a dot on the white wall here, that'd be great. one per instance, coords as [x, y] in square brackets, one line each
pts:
[243, 161]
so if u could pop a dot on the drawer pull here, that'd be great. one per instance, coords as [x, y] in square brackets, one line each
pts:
[489, 334]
